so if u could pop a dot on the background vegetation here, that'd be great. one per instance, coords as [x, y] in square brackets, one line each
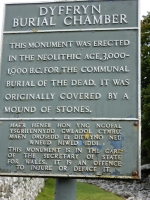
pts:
[145, 86]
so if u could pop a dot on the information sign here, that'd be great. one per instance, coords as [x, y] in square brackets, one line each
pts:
[70, 90]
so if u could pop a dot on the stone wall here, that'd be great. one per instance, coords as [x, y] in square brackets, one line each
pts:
[19, 188]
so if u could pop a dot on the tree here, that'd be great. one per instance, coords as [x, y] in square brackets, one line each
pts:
[145, 84]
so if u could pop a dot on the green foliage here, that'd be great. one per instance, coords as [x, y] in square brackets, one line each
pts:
[145, 83]
[145, 51]
[84, 192]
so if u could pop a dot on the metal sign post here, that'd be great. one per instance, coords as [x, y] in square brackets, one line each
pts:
[70, 91]
[65, 188]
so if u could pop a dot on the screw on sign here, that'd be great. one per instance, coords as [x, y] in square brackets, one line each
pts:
[135, 123]
[134, 173]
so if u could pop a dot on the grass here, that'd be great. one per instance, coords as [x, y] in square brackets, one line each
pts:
[91, 192]
[84, 192]
[47, 192]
